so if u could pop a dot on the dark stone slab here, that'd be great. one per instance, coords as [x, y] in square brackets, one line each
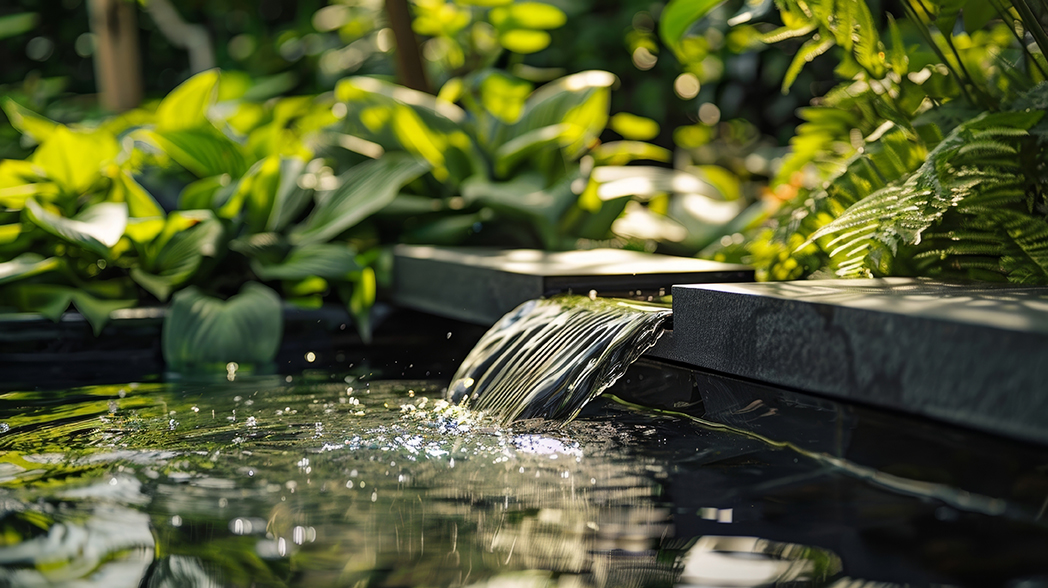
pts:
[974, 355]
[480, 285]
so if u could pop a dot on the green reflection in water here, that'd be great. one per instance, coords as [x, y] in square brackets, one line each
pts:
[321, 481]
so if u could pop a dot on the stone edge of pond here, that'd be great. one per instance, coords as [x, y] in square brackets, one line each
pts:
[975, 355]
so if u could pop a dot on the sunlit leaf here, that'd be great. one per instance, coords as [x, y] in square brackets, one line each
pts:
[363, 190]
[326, 260]
[73, 159]
[140, 204]
[631, 126]
[579, 99]
[25, 266]
[202, 332]
[96, 229]
[525, 41]
[527, 15]
[186, 106]
[143, 230]
[204, 151]
[678, 16]
[37, 127]
[503, 96]
[623, 152]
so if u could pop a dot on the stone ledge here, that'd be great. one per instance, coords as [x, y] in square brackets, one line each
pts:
[974, 355]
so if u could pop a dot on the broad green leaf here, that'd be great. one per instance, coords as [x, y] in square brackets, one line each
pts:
[200, 194]
[677, 18]
[37, 127]
[527, 15]
[10, 233]
[185, 107]
[144, 230]
[53, 300]
[289, 199]
[202, 332]
[204, 151]
[525, 41]
[96, 229]
[17, 172]
[633, 127]
[503, 96]
[325, 260]
[356, 88]
[97, 310]
[421, 140]
[18, 23]
[73, 159]
[512, 152]
[579, 99]
[268, 248]
[140, 204]
[19, 180]
[623, 152]
[25, 266]
[363, 190]
[178, 260]
[526, 197]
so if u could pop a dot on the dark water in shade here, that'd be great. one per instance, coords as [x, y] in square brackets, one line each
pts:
[549, 357]
[344, 480]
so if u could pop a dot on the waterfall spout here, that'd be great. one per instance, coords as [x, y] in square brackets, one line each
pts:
[548, 358]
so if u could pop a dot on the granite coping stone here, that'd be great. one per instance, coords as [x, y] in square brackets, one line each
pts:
[970, 354]
[479, 285]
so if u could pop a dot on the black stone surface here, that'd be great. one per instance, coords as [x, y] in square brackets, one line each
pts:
[974, 355]
[479, 285]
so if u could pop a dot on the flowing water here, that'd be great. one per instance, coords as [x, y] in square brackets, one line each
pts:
[549, 357]
[363, 478]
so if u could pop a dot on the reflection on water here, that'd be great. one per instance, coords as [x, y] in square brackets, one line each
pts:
[349, 481]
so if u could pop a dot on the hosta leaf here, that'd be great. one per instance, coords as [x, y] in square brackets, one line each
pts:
[53, 300]
[201, 331]
[24, 266]
[204, 151]
[186, 106]
[140, 203]
[579, 99]
[326, 260]
[73, 159]
[37, 127]
[96, 229]
[363, 190]
[179, 251]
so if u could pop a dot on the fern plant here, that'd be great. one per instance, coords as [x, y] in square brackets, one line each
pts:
[928, 159]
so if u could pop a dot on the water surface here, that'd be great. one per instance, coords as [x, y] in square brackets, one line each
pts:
[338, 479]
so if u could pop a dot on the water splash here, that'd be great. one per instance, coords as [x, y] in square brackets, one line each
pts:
[548, 358]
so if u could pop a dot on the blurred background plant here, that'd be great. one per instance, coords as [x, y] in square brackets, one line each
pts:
[338, 128]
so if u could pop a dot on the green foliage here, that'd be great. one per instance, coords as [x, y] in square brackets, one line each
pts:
[202, 331]
[928, 160]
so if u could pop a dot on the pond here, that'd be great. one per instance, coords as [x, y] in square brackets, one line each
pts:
[352, 476]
